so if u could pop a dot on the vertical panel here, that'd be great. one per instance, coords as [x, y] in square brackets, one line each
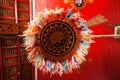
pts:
[1, 66]
[16, 11]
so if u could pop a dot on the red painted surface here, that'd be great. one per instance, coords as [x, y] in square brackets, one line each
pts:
[105, 52]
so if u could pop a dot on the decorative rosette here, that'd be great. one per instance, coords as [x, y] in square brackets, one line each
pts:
[57, 40]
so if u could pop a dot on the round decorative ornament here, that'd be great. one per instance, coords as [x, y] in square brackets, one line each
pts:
[57, 41]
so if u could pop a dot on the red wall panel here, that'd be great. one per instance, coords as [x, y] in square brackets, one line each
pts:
[104, 53]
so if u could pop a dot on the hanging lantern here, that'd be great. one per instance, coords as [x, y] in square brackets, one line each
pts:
[79, 3]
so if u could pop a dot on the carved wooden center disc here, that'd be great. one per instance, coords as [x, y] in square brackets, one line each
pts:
[57, 38]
